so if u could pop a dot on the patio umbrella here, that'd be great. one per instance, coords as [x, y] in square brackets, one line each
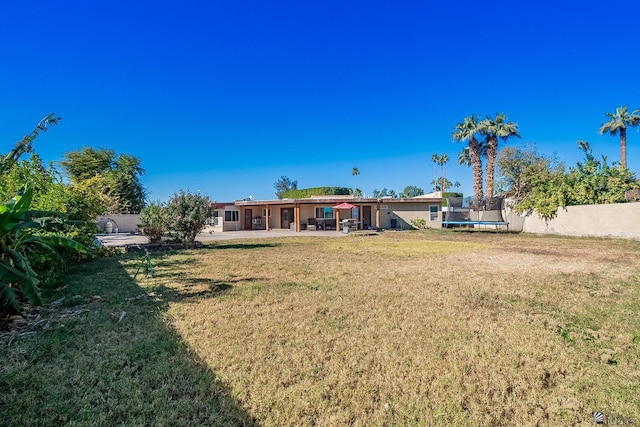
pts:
[345, 205]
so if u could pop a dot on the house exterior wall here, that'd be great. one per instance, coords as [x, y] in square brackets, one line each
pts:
[403, 213]
[611, 220]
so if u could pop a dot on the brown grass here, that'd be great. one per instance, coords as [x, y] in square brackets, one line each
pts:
[414, 328]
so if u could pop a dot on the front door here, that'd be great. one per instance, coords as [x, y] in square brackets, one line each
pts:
[248, 225]
[366, 217]
[287, 218]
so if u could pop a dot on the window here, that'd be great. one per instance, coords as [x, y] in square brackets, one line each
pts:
[324, 212]
[231, 216]
[266, 212]
[433, 212]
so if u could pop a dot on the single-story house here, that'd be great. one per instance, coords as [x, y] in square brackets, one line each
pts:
[324, 213]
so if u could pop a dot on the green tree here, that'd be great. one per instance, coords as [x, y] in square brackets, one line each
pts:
[543, 186]
[87, 163]
[411, 191]
[283, 185]
[435, 157]
[119, 176]
[519, 167]
[25, 145]
[383, 193]
[493, 130]
[356, 191]
[188, 214]
[124, 186]
[618, 124]
[467, 131]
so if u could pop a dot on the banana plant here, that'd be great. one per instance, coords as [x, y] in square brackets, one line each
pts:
[18, 233]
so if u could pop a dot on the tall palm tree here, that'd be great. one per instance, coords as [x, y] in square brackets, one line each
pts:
[464, 158]
[493, 130]
[355, 172]
[442, 161]
[467, 131]
[434, 158]
[618, 124]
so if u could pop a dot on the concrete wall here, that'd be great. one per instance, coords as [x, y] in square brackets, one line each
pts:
[124, 223]
[403, 213]
[612, 220]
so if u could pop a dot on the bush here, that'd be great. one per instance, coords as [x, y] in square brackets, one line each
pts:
[154, 221]
[419, 223]
[317, 191]
[188, 214]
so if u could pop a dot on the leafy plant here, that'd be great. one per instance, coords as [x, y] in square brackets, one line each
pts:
[419, 223]
[18, 237]
[188, 214]
[154, 221]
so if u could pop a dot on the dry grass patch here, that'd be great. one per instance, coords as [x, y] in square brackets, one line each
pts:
[417, 328]
[414, 328]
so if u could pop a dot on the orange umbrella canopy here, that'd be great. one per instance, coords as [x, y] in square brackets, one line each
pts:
[345, 205]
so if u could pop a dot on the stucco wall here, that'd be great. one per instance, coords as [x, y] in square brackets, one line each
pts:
[613, 220]
[403, 213]
[124, 223]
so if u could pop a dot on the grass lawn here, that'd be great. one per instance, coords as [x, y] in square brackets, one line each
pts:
[414, 328]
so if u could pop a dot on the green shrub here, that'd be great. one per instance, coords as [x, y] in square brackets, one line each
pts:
[154, 221]
[188, 214]
[305, 193]
[21, 246]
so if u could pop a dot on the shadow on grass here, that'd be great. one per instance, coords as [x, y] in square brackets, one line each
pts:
[219, 246]
[117, 363]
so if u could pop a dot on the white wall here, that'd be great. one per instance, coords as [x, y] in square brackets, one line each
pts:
[124, 223]
[612, 220]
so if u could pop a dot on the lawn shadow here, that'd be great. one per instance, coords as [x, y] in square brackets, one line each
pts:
[119, 362]
[238, 245]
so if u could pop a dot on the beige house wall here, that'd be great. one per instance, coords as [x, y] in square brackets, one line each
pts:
[612, 220]
[403, 213]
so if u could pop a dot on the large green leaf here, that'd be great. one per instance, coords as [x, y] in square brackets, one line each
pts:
[29, 285]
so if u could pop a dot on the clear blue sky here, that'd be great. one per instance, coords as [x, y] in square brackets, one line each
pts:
[227, 96]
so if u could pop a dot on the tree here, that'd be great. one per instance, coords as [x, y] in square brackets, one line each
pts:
[188, 214]
[355, 172]
[123, 185]
[118, 176]
[464, 158]
[442, 161]
[283, 185]
[411, 191]
[87, 163]
[467, 131]
[25, 145]
[434, 158]
[383, 193]
[519, 167]
[493, 130]
[542, 186]
[619, 122]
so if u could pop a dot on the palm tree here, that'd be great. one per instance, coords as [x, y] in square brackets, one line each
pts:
[494, 129]
[467, 130]
[442, 161]
[618, 123]
[355, 172]
[434, 159]
[464, 158]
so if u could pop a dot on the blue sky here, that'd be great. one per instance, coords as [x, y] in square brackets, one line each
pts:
[226, 97]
